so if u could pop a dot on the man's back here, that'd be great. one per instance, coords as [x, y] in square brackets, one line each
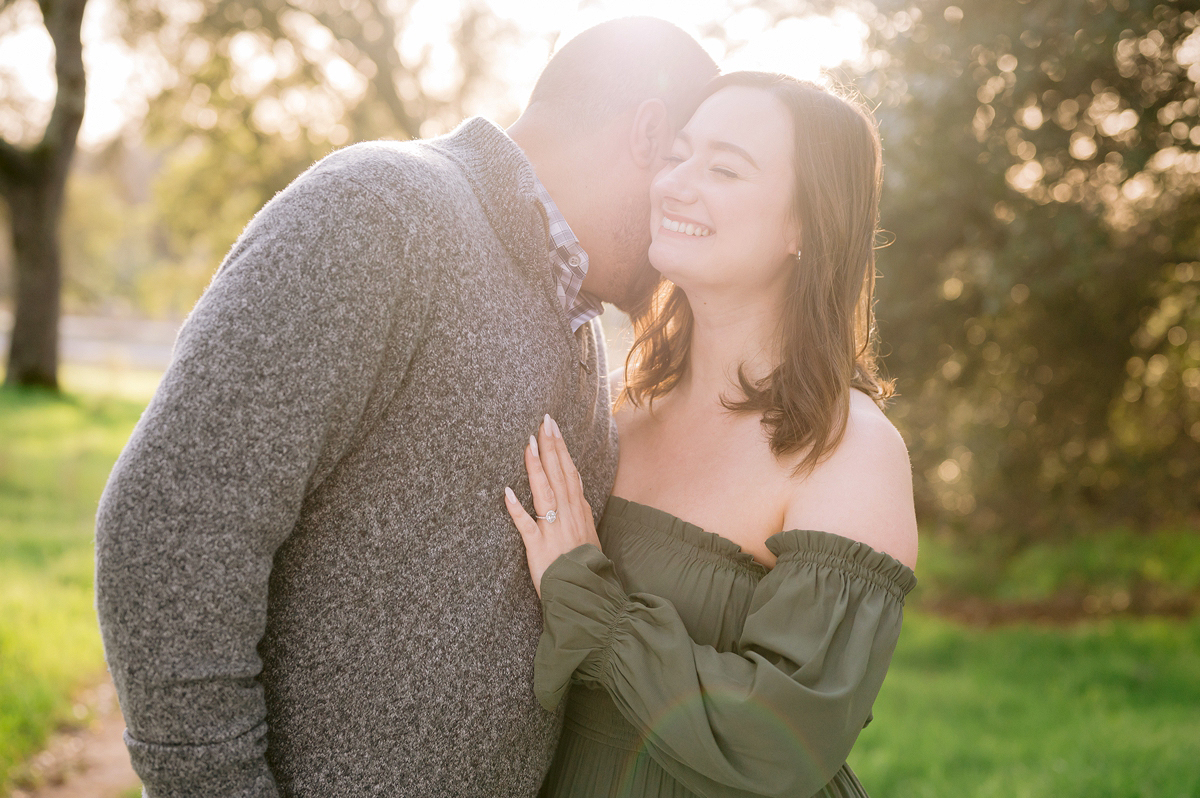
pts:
[403, 338]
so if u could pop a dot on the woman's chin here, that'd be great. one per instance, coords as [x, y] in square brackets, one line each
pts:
[670, 273]
[671, 265]
[687, 274]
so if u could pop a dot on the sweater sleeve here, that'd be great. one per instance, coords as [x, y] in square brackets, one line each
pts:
[270, 382]
[778, 715]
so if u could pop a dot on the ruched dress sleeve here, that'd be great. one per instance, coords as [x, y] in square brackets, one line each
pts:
[776, 716]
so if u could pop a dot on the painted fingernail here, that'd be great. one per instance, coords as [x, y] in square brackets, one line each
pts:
[533, 445]
[554, 430]
[508, 494]
[548, 423]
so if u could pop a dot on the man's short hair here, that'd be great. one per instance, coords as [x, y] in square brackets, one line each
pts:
[613, 67]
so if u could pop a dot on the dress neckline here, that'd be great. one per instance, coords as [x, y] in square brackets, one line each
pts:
[689, 532]
[781, 544]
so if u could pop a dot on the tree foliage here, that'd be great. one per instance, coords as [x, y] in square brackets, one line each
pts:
[258, 91]
[1039, 300]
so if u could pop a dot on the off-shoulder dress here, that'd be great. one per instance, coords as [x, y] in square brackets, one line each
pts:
[692, 670]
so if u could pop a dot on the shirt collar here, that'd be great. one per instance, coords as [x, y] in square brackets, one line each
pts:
[569, 264]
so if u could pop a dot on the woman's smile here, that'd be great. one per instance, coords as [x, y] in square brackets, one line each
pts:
[685, 227]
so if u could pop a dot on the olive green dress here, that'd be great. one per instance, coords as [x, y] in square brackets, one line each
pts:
[694, 670]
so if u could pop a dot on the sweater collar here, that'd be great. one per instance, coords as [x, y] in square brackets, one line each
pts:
[503, 180]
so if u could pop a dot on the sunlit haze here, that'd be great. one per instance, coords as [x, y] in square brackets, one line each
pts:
[118, 82]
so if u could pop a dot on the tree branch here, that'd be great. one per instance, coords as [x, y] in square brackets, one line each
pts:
[64, 19]
[382, 51]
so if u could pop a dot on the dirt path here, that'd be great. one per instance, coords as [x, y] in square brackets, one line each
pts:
[89, 762]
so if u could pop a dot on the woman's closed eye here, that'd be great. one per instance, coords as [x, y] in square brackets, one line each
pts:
[725, 171]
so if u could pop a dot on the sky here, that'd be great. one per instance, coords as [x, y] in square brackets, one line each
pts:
[118, 85]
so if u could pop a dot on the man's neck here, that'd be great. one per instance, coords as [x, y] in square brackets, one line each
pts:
[566, 164]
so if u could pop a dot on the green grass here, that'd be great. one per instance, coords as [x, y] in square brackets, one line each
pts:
[55, 454]
[1106, 709]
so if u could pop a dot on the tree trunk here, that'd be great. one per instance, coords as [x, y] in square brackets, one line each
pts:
[33, 183]
[33, 345]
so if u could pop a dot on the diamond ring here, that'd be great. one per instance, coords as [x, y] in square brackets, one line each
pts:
[549, 517]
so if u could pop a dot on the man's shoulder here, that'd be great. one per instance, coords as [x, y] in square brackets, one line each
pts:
[426, 192]
[387, 169]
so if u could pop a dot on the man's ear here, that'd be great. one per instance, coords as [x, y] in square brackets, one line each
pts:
[651, 133]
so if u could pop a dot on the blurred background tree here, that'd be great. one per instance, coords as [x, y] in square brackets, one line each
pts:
[244, 97]
[261, 90]
[1039, 299]
[238, 99]
[33, 177]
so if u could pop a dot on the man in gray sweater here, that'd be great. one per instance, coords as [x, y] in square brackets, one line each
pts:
[306, 579]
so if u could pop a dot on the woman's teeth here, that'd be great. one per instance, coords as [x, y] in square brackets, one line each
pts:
[686, 229]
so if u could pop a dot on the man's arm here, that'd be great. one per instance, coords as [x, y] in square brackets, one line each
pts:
[268, 385]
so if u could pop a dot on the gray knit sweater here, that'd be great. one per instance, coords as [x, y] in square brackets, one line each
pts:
[306, 578]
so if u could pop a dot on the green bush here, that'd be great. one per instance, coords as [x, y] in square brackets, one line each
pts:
[1159, 569]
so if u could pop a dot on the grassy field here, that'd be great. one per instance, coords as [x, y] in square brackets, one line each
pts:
[55, 454]
[1104, 709]
[1101, 708]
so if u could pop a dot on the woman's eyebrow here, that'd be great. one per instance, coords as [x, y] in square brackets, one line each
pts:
[727, 146]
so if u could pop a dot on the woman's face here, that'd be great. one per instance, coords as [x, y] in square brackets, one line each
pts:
[721, 209]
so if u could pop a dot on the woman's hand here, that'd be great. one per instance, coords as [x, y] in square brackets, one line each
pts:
[558, 495]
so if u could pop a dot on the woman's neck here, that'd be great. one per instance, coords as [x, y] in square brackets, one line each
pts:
[728, 334]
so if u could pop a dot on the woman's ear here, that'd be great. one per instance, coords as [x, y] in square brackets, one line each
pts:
[651, 134]
[795, 241]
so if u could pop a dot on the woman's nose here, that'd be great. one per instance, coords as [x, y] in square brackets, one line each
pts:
[676, 182]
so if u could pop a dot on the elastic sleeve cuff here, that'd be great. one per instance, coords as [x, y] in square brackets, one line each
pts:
[582, 604]
[234, 767]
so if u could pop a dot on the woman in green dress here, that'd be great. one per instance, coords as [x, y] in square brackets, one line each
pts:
[725, 630]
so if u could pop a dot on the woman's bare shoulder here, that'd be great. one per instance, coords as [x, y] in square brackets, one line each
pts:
[863, 490]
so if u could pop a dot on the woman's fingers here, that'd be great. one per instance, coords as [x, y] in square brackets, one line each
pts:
[548, 449]
[570, 488]
[572, 483]
[544, 498]
[556, 486]
[525, 523]
[531, 536]
[548, 438]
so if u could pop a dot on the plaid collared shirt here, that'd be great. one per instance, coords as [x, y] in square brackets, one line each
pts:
[570, 265]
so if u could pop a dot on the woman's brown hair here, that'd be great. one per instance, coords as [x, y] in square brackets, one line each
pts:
[827, 335]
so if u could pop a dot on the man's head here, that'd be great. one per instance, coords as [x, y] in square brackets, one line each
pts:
[599, 121]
